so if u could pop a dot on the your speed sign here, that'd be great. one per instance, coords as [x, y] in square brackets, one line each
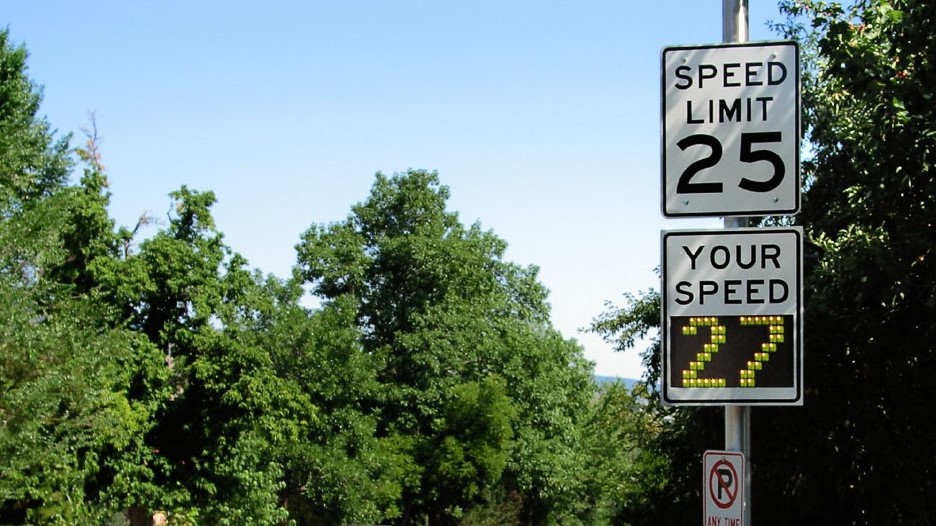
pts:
[731, 129]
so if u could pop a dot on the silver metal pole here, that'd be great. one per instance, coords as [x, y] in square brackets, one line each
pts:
[734, 20]
[738, 418]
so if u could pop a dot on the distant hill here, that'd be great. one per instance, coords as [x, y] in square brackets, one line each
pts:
[628, 382]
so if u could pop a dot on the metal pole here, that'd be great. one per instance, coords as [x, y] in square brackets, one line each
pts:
[734, 20]
[738, 418]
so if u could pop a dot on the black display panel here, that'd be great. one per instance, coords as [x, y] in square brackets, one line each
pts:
[732, 351]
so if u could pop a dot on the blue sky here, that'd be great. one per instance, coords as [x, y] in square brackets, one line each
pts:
[543, 118]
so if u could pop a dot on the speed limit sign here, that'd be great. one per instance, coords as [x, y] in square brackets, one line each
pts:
[731, 132]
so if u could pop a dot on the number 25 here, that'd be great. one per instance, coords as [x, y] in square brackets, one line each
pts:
[748, 155]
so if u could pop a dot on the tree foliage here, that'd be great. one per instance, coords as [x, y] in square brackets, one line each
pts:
[161, 375]
[471, 377]
[857, 452]
[870, 312]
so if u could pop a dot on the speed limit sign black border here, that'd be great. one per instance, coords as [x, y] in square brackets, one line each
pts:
[730, 129]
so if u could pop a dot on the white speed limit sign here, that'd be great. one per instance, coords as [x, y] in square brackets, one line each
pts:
[731, 129]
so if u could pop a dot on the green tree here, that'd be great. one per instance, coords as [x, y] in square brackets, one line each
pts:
[64, 406]
[216, 446]
[858, 452]
[65, 403]
[441, 315]
[337, 471]
[628, 472]
[33, 164]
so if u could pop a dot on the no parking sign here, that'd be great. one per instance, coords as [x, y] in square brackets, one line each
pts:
[723, 488]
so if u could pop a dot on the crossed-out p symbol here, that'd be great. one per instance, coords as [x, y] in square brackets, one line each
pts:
[723, 484]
